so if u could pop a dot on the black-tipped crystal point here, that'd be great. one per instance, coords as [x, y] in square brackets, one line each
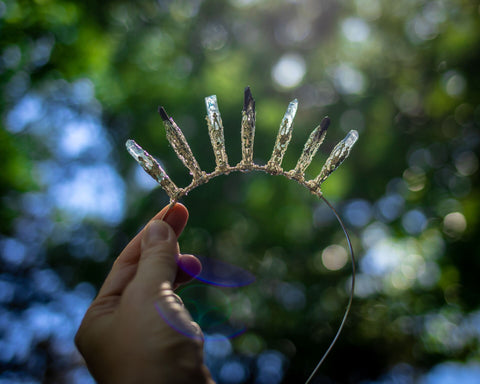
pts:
[325, 123]
[248, 100]
[163, 114]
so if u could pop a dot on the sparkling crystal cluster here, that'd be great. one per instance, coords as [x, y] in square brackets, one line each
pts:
[216, 132]
[284, 136]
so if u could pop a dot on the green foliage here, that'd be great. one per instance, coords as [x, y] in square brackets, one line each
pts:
[405, 74]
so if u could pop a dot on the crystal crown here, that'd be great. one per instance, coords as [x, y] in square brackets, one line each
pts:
[180, 145]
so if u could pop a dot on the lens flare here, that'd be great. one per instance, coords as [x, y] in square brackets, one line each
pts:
[220, 273]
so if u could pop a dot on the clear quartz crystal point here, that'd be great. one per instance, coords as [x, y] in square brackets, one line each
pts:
[151, 166]
[283, 138]
[248, 128]
[337, 156]
[180, 145]
[310, 149]
[215, 130]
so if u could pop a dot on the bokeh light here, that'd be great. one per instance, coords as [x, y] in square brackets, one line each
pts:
[355, 29]
[334, 257]
[348, 79]
[289, 71]
[454, 224]
[414, 221]
[76, 82]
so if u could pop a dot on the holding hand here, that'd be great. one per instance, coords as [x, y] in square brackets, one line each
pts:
[124, 337]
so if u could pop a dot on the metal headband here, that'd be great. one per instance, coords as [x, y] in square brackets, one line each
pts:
[274, 166]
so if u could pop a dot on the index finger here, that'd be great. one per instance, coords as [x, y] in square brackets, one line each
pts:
[125, 266]
[176, 217]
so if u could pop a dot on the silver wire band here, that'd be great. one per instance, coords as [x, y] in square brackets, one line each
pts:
[350, 300]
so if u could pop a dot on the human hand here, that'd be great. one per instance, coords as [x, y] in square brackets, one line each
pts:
[123, 337]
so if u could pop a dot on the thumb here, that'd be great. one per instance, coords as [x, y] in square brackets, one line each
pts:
[157, 262]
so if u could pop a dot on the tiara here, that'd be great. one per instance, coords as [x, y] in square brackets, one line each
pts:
[183, 151]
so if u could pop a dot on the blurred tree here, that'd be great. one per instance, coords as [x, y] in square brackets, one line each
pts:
[79, 78]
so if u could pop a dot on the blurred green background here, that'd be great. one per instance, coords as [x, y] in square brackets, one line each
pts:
[79, 78]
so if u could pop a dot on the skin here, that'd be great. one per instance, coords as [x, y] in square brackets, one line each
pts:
[125, 336]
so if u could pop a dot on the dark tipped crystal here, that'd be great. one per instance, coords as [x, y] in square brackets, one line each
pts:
[163, 114]
[325, 123]
[248, 100]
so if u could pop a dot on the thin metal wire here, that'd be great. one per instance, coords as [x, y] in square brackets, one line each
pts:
[352, 289]
[273, 167]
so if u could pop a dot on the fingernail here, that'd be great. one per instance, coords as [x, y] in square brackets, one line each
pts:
[156, 231]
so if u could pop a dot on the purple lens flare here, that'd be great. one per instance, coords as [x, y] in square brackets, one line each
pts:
[212, 314]
[219, 273]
